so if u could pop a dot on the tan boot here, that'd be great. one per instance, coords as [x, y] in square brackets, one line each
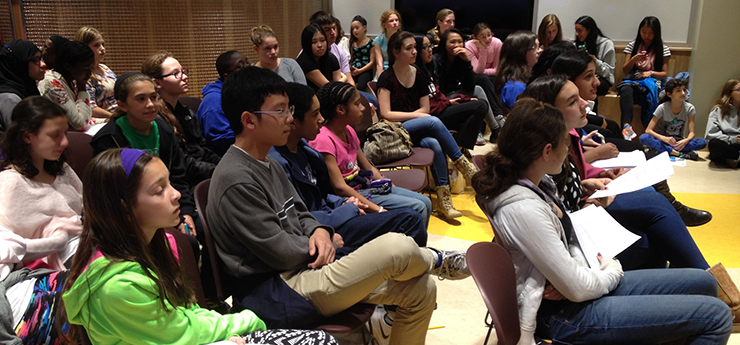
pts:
[444, 203]
[466, 168]
[727, 292]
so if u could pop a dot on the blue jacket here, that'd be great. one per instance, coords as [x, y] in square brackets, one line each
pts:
[326, 207]
[649, 88]
[216, 128]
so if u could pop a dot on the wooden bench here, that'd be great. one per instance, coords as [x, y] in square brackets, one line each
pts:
[609, 104]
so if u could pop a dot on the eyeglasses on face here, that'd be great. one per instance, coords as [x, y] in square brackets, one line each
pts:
[282, 113]
[176, 74]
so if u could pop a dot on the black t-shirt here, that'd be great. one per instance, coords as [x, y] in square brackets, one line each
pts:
[403, 98]
[327, 65]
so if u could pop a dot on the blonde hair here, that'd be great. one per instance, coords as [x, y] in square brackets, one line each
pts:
[441, 15]
[725, 99]
[386, 15]
[259, 33]
[87, 34]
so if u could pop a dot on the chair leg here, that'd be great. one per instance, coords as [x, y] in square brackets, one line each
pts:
[490, 327]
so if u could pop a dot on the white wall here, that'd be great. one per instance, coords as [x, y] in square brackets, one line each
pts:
[371, 10]
[619, 19]
[714, 56]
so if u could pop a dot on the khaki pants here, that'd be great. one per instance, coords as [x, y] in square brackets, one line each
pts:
[390, 269]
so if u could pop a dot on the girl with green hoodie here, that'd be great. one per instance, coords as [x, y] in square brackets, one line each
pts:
[125, 285]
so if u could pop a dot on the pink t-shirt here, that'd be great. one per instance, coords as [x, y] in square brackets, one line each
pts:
[485, 61]
[345, 153]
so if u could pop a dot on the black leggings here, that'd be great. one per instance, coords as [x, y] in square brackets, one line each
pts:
[720, 151]
[466, 119]
[627, 99]
[362, 79]
[602, 90]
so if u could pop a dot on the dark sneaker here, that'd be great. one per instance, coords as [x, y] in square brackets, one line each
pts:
[453, 267]
[692, 155]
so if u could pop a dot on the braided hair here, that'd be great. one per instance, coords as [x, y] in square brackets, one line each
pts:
[333, 94]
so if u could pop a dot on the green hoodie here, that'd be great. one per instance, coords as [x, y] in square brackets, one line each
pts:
[119, 304]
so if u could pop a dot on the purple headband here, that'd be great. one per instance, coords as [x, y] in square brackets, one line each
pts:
[129, 158]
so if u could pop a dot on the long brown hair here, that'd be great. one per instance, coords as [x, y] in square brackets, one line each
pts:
[111, 227]
[530, 126]
[513, 63]
[548, 20]
[27, 118]
[725, 99]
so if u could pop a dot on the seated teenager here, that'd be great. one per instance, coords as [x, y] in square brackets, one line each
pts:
[270, 243]
[445, 21]
[519, 54]
[136, 124]
[561, 298]
[363, 53]
[50, 48]
[265, 44]
[723, 130]
[318, 64]
[403, 94]
[125, 285]
[328, 23]
[41, 204]
[460, 113]
[310, 177]
[350, 172]
[453, 71]
[213, 122]
[21, 66]
[579, 67]
[390, 21]
[172, 82]
[66, 84]
[101, 82]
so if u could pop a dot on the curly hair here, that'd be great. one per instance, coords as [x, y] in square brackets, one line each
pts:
[28, 117]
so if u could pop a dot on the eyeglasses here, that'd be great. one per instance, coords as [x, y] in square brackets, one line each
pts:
[36, 59]
[426, 47]
[283, 113]
[176, 74]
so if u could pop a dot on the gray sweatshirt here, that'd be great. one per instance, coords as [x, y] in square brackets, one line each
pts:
[606, 58]
[725, 127]
[528, 228]
[259, 222]
[7, 103]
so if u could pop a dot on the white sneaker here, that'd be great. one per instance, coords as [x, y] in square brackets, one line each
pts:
[453, 267]
[380, 326]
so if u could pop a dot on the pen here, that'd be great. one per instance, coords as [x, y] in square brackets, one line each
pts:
[187, 229]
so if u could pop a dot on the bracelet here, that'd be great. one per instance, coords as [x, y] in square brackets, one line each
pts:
[381, 209]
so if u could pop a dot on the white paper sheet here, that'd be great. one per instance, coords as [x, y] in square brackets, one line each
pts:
[623, 160]
[598, 232]
[644, 175]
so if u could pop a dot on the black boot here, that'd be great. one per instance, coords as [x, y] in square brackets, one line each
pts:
[691, 216]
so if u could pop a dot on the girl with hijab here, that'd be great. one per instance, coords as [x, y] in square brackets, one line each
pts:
[21, 66]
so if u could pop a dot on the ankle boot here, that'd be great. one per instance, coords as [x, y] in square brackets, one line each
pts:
[690, 216]
[727, 291]
[444, 203]
[466, 168]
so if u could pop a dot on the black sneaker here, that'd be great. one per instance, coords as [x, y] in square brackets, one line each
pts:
[692, 155]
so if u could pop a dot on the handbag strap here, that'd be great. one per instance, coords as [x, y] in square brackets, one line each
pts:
[395, 129]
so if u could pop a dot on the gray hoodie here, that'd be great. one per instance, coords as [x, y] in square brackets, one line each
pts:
[725, 127]
[530, 230]
[606, 58]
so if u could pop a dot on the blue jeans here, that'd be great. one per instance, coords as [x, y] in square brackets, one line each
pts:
[658, 145]
[400, 197]
[647, 307]
[647, 212]
[430, 132]
[362, 229]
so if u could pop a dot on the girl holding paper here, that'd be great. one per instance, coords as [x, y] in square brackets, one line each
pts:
[560, 297]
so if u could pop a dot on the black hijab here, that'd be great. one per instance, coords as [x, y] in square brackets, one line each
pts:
[14, 59]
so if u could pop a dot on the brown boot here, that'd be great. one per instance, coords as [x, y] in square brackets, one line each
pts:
[444, 203]
[466, 168]
[727, 291]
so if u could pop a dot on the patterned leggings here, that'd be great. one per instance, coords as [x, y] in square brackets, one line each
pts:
[290, 337]
[38, 325]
